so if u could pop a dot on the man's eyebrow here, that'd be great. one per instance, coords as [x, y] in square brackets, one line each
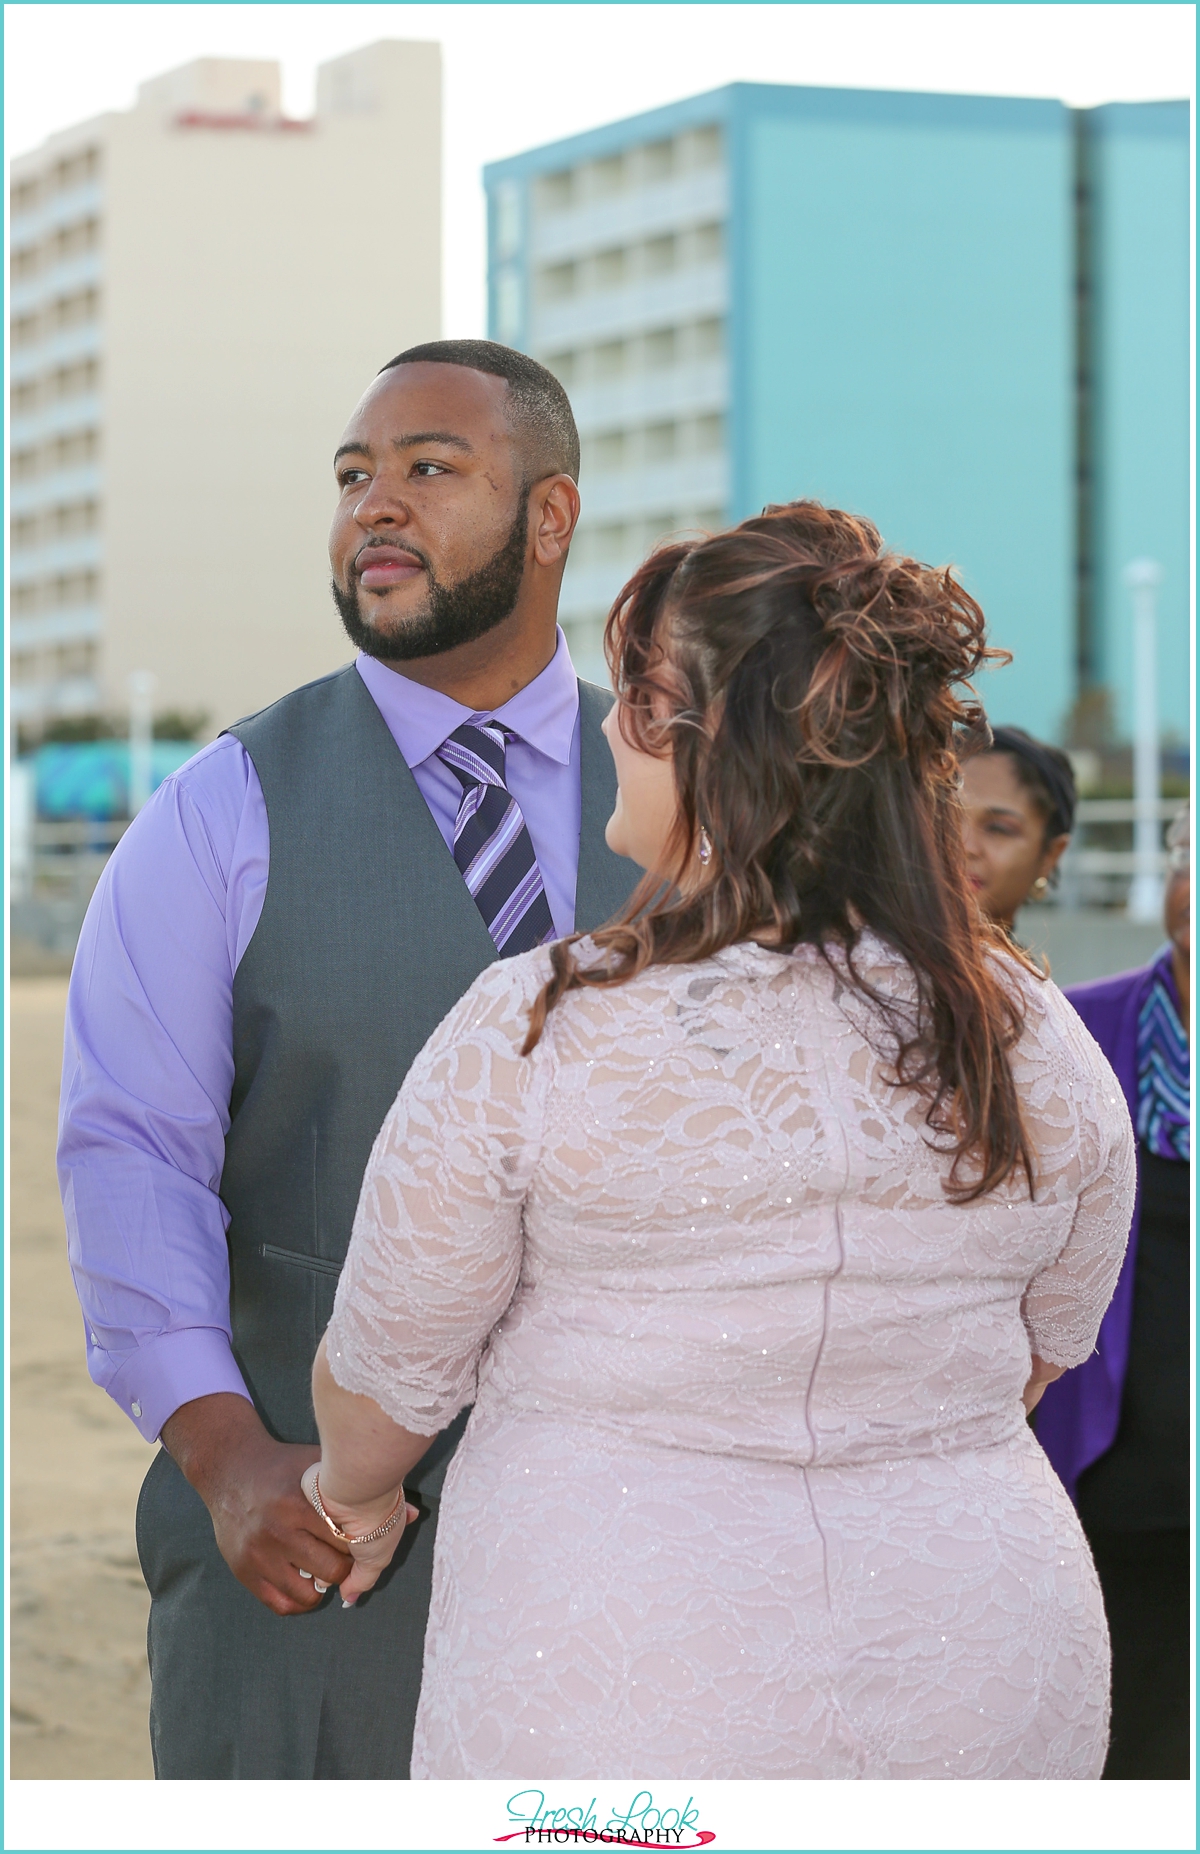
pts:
[407, 440]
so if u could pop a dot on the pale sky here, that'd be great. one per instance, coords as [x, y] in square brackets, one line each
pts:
[518, 75]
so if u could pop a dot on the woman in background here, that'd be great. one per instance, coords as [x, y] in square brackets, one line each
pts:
[1117, 1429]
[1019, 799]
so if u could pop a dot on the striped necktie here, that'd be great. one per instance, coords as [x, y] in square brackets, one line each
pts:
[492, 846]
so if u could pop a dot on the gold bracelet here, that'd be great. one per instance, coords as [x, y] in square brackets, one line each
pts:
[364, 1538]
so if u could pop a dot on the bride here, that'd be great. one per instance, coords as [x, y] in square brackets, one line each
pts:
[753, 1226]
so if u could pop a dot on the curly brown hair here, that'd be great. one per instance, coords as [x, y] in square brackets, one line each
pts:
[803, 679]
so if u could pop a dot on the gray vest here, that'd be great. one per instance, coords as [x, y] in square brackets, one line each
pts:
[367, 938]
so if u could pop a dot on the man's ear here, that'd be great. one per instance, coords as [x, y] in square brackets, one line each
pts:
[554, 504]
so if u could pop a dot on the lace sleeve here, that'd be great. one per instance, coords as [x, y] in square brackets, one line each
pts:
[1065, 1303]
[435, 1251]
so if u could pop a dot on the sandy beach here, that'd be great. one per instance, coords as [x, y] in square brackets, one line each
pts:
[80, 1686]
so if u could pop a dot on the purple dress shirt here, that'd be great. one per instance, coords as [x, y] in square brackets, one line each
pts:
[148, 1047]
[1079, 1414]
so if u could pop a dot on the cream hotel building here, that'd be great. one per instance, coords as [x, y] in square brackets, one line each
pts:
[201, 289]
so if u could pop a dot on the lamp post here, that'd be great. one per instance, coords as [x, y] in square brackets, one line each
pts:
[141, 738]
[1143, 578]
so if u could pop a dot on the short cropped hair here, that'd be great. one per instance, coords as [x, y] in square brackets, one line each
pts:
[540, 409]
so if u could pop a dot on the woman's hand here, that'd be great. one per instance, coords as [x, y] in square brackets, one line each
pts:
[364, 1459]
[1040, 1375]
[370, 1560]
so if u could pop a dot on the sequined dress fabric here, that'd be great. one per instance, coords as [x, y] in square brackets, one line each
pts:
[747, 1491]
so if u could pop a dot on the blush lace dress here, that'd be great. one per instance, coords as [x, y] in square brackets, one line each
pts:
[748, 1490]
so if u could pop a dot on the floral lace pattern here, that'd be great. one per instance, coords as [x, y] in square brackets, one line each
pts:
[747, 1490]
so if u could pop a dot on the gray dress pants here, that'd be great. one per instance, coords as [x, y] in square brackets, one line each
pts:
[237, 1692]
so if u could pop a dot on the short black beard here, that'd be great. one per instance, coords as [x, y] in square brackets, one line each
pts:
[455, 614]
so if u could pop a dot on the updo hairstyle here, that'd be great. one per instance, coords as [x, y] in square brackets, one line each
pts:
[803, 679]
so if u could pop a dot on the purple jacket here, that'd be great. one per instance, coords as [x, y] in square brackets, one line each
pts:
[1077, 1419]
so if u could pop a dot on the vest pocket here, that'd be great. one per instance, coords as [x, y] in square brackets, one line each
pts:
[316, 1264]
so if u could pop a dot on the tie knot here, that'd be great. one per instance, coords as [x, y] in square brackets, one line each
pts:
[475, 753]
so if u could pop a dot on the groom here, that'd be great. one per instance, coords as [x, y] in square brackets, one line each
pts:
[271, 944]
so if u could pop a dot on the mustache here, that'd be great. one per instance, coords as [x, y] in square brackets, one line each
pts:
[363, 557]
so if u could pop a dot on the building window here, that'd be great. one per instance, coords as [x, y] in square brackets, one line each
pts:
[608, 176]
[610, 268]
[73, 240]
[73, 660]
[75, 170]
[657, 529]
[69, 382]
[660, 253]
[71, 448]
[71, 311]
[661, 344]
[24, 330]
[564, 367]
[612, 540]
[710, 432]
[69, 589]
[23, 530]
[610, 359]
[556, 191]
[607, 452]
[660, 440]
[658, 160]
[23, 196]
[557, 281]
[24, 464]
[72, 518]
[24, 598]
[24, 666]
[24, 261]
[708, 243]
[24, 398]
[708, 337]
[711, 519]
[702, 147]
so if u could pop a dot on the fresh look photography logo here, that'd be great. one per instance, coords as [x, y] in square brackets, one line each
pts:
[643, 1823]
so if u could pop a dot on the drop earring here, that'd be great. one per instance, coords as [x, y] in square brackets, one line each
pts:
[704, 848]
[1040, 886]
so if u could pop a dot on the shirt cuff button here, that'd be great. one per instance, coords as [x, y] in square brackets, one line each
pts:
[136, 1408]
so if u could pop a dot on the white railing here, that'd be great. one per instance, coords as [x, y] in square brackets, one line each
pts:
[63, 860]
[1094, 876]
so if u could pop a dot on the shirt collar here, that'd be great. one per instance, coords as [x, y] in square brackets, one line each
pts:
[419, 719]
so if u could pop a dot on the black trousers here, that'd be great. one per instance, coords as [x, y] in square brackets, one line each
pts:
[1146, 1581]
[239, 1693]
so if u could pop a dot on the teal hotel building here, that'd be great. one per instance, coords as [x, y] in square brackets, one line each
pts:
[966, 317]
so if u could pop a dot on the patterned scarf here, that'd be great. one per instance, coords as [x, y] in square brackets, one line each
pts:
[1164, 1069]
